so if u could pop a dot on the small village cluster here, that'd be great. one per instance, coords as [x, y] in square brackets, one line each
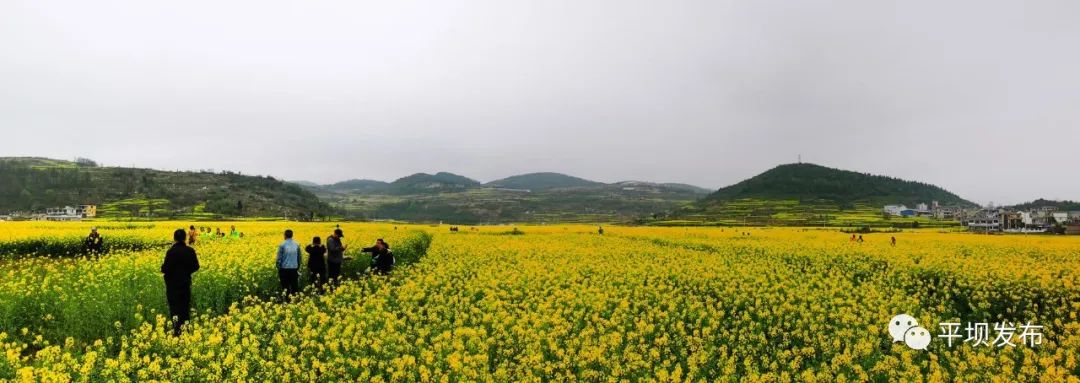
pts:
[995, 219]
[66, 213]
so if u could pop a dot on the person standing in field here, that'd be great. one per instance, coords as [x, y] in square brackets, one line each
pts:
[382, 259]
[192, 235]
[317, 263]
[600, 230]
[894, 241]
[180, 262]
[233, 233]
[288, 264]
[93, 243]
[860, 239]
[335, 256]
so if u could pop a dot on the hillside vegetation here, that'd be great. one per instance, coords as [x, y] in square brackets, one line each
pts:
[813, 195]
[1065, 205]
[809, 182]
[535, 197]
[542, 181]
[34, 184]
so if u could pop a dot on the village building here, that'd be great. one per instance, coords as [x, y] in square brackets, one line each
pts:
[1060, 217]
[71, 213]
[893, 209]
[1012, 221]
[985, 224]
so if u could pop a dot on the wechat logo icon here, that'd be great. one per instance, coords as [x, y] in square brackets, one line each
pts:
[905, 328]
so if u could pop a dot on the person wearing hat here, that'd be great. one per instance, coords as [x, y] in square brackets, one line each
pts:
[180, 262]
[335, 255]
[94, 243]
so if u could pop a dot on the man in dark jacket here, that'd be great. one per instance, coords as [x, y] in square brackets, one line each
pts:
[335, 256]
[382, 260]
[317, 263]
[94, 243]
[180, 263]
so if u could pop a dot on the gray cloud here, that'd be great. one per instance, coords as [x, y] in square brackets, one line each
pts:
[977, 96]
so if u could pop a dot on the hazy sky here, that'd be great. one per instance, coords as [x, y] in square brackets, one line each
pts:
[980, 97]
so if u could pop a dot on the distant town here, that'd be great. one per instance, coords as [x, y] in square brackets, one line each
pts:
[1044, 219]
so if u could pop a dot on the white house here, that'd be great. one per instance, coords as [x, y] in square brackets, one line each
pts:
[984, 224]
[893, 209]
[1060, 216]
[66, 213]
[1026, 218]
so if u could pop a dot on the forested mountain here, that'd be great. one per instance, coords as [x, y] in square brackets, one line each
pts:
[359, 186]
[1065, 205]
[813, 195]
[423, 183]
[535, 197]
[541, 181]
[810, 182]
[34, 184]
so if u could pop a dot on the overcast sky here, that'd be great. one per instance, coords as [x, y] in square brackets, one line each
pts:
[980, 97]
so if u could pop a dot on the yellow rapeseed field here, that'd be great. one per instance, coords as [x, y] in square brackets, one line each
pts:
[551, 303]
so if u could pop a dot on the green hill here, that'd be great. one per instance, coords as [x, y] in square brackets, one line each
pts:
[305, 183]
[423, 183]
[34, 184]
[542, 181]
[687, 187]
[813, 195]
[359, 186]
[809, 182]
[1065, 205]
